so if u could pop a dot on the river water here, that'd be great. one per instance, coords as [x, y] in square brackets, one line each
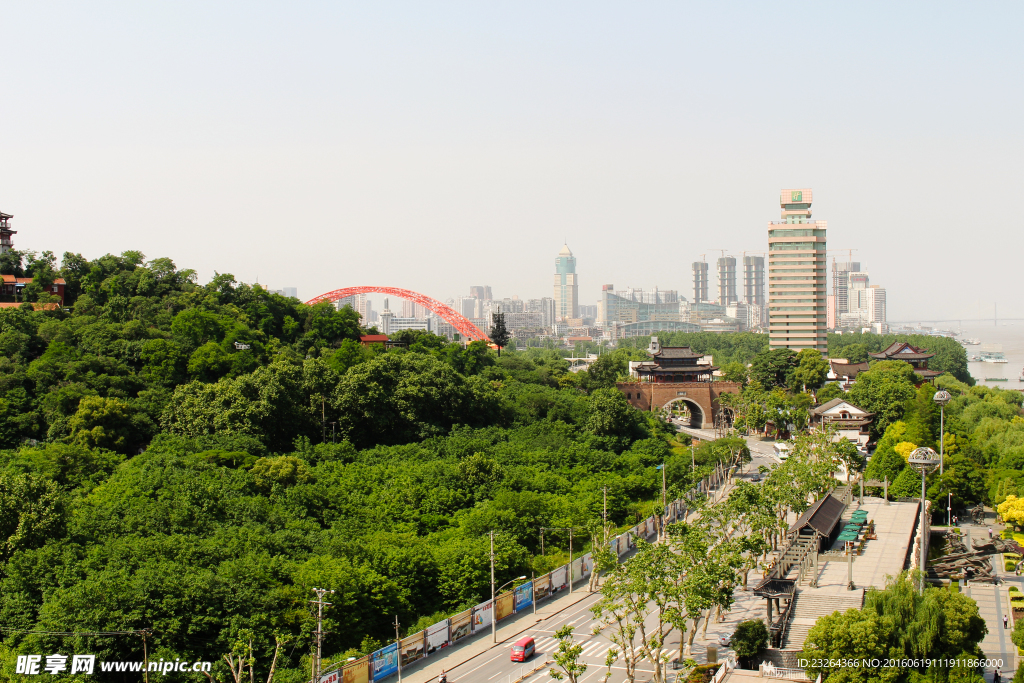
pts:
[1010, 335]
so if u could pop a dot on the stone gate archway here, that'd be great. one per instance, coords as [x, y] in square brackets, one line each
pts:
[696, 412]
[652, 395]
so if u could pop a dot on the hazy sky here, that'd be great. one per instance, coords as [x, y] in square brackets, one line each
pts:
[438, 145]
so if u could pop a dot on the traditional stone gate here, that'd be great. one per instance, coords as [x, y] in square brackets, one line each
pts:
[701, 397]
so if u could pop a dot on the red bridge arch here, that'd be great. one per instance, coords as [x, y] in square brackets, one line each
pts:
[468, 330]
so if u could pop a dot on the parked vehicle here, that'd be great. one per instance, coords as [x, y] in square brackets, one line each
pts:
[523, 649]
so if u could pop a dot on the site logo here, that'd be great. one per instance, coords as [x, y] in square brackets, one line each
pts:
[85, 664]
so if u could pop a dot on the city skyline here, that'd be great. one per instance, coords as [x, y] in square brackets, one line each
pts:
[357, 135]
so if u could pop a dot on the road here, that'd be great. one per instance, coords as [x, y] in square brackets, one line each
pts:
[495, 666]
[761, 452]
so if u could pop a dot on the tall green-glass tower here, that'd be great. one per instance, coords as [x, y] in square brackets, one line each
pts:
[566, 289]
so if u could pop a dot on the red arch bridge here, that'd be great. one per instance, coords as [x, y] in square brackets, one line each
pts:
[462, 325]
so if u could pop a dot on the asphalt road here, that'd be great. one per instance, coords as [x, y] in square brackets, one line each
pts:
[495, 666]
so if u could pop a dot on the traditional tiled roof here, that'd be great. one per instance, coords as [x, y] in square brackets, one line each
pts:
[677, 352]
[825, 407]
[10, 280]
[848, 370]
[902, 351]
[822, 516]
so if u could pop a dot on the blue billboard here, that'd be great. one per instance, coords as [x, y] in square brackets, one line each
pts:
[385, 661]
[524, 595]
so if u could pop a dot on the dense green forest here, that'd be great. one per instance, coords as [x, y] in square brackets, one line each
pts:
[192, 459]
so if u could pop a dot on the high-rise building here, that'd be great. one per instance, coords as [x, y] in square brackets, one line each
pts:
[727, 281]
[874, 299]
[385, 319]
[566, 286]
[796, 276]
[411, 309]
[753, 290]
[841, 283]
[361, 305]
[6, 243]
[700, 282]
[753, 280]
[468, 306]
[481, 292]
[546, 308]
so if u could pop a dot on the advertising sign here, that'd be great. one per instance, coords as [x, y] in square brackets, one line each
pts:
[481, 616]
[558, 579]
[505, 604]
[437, 636]
[577, 568]
[385, 661]
[541, 587]
[331, 677]
[461, 625]
[357, 671]
[586, 565]
[412, 648]
[524, 596]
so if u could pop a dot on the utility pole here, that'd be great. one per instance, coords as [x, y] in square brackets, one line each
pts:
[398, 650]
[664, 509]
[145, 653]
[494, 628]
[570, 560]
[319, 633]
[605, 514]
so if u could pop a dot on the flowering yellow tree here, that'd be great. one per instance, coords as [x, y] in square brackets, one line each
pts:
[1012, 511]
[905, 448]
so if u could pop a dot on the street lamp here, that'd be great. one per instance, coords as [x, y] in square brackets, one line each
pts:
[924, 460]
[494, 604]
[664, 512]
[942, 397]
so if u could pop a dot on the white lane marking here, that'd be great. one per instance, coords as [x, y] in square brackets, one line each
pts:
[497, 656]
[500, 673]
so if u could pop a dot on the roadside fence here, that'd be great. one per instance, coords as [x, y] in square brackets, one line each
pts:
[433, 640]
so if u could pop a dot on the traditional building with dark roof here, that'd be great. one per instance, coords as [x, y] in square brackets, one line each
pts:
[907, 353]
[672, 364]
[849, 421]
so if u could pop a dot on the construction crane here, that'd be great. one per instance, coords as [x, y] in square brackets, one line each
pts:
[842, 251]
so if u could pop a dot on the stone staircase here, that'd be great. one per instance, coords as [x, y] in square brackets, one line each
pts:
[809, 605]
[792, 556]
[841, 492]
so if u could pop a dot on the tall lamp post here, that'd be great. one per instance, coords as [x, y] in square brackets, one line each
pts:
[942, 397]
[924, 460]
[664, 512]
[494, 603]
